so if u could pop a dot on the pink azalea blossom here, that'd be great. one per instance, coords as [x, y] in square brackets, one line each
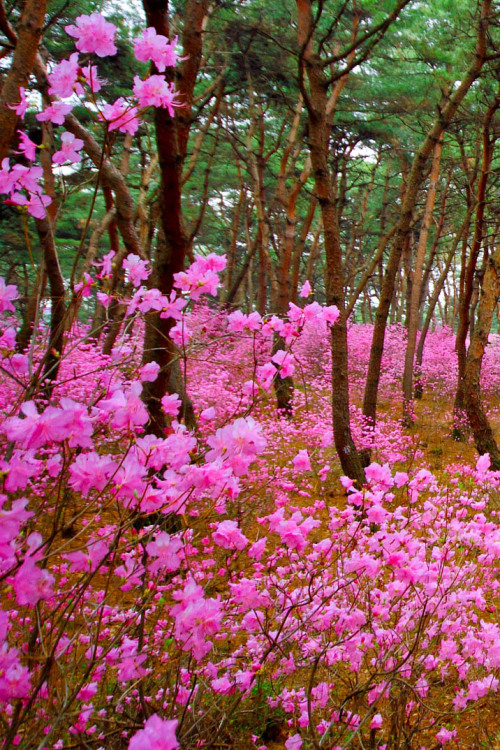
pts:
[376, 722]
[158, 734]
[331, 314]
[69, 149]
[165, 549]
[305, 289]
[35, 204]
[120, 116]
[137, 269]
[8, 293]
[445, 735]
[171, 404]
[106, 264]
[155, 91]
[95, 84]
[32, 583]
[21, 108]
[15, 679]
[229, 536]
[149, 372]
[93, 34]
[63, 78]
[483, 463]
[294, 742]
[157, 48]
[55, 113]
[301, 461]
[284, 360]
[202, 276]
[26, 146]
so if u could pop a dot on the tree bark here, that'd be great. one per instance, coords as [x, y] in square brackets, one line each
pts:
[470, 269]
[319, 134]
[481, 429]
[463, 232]
[414, 308]
[172, 135]
[29, 34]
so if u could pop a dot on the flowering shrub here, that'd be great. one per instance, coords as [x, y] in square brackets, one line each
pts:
[158, 590]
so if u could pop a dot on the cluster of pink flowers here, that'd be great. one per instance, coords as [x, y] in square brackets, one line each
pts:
[93, 35]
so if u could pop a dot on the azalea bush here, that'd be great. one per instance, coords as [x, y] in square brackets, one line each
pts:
[219, 585]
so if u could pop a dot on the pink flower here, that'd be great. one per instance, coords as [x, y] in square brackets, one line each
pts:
[284, 361]
[137, 269]
[156, 735]
[89, 470]
[257, 549]
[237, 321]
[126, 410]
[14, 678]
[37, 429]
[171, 404]
[157, 48]
[294, 742]
[149, 372]
[196, 619]
[69, 149]
[229, 536]
[20, 109]
[379, 476]
[445, 735]
[202, 276]
[8, 293]
[106, 265]
[301, 461]
[32, 583]
[483, 463]
[166, 550]
[207, 415]
[156, 92]
[55, 113]
[89, 72]
[63, 78]
[26, 146]
[172, 307]
[376, 722]
[306, 289]
[120, 116]
[36, 204]
[93, 34]
[97, 551]
[180, 334]
[330, 314]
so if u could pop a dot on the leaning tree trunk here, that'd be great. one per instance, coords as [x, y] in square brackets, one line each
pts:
[481, 429]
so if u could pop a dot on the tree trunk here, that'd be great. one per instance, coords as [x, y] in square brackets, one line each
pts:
[29, 34]
[481, 429]
[325, 183]
[468, 282]
[434, 299]
[414, 308]
[172, 135]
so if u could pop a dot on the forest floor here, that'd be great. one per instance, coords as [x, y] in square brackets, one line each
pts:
[436, 448]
